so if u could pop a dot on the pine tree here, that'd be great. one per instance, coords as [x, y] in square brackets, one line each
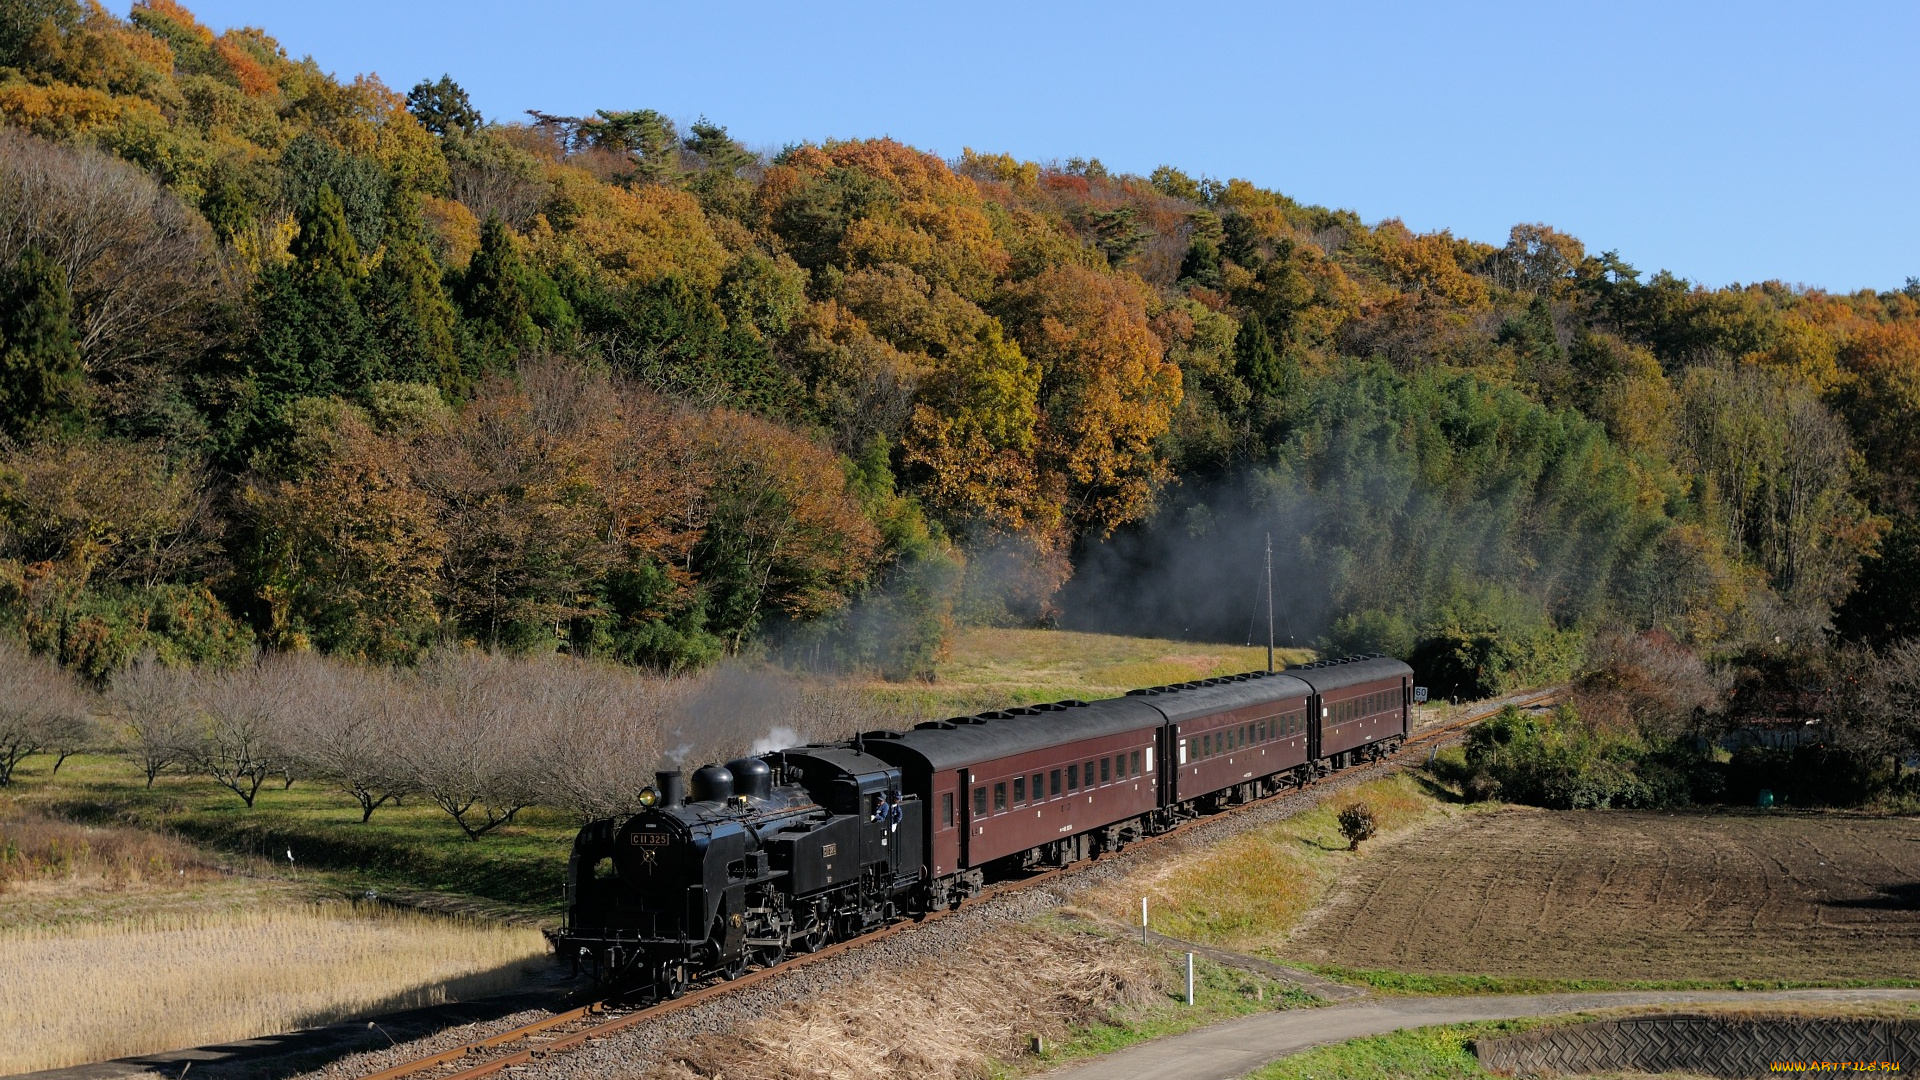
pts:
[1202, 263]
[493, 295]
[325, 244]
[313, 338]
[40, 373]
[1256, 361]
[412, 319]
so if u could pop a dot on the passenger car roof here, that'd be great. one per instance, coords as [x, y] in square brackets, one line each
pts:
[968, 740]
[1329, 675]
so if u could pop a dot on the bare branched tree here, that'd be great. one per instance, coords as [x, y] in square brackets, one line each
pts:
[469, 745]
[138, 263]
[155, 707]
[604, 741]
[240, 741]
[345, 730]
[41, 706]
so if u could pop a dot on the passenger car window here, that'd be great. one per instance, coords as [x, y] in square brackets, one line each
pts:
[1136, 763]
[1000, 797]
[1019, 790]
[980, 801]
[1073, 778]
[1106, 770]
[1053, 784]
[1039, 786]
[946, 809]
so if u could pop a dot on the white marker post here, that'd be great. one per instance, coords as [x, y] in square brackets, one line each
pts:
[1143, 920]
[1189, 978]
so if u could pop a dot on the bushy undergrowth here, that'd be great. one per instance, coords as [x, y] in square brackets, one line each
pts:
[40, 849]
[1558, 760]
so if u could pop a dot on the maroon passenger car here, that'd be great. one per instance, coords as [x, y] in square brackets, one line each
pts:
[1043, 783]
[1364, 704]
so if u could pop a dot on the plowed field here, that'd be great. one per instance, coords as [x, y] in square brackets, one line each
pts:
[1627, 895]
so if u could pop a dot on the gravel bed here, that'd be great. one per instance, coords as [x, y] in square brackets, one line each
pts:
[631, 1052]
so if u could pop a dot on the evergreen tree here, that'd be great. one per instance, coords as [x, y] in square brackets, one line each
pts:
[40, 374]
[493, 296]
[412, 319]
[443, 106]
[1202, 263]
[711, 143]
[325, 243]
[1256, 361]
[313, 338]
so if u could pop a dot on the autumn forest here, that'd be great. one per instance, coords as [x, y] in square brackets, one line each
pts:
[297, 363]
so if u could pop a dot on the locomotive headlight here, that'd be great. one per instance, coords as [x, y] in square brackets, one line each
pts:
[648, 796]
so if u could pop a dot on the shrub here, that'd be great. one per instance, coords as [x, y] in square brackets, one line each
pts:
[1357, 824]
[1561, 762]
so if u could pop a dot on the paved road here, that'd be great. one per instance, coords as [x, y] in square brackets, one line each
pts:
[1235, 1048]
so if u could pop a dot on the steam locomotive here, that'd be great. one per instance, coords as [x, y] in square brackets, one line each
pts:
[765, 857]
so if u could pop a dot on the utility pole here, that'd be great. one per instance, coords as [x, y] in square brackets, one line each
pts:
[1269, 602]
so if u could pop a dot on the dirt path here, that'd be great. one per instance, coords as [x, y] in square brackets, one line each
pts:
[1237, 1048]
[1633, 896]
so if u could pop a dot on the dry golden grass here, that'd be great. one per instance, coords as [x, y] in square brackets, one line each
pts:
[76, 994]
[1250, 890]
[939, 1020]
[40, 851]
[987, 667]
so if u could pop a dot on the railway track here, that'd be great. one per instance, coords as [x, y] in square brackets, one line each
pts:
[568, 1030]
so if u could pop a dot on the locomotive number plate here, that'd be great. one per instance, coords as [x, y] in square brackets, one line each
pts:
[650, 839]
[828, 851]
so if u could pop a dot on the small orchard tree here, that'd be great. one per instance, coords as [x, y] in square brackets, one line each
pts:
[41, 706]
[345, 730]
[1357, 824]
[241, 726]
[154, 706]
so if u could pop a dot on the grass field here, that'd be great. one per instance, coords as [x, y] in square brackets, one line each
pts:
[1631, 896]
[1247, 892]
[80, 993]
[990, 667]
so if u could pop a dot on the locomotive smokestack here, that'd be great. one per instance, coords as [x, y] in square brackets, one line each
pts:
[673, 788]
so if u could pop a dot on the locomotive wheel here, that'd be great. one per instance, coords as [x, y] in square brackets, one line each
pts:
[735, 969]
[672, 981]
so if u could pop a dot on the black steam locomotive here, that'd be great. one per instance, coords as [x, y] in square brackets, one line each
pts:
[781, 854]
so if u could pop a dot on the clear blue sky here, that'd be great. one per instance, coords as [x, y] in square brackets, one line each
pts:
[1727, 143]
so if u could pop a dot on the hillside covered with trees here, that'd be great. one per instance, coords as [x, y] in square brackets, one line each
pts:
[298, 363]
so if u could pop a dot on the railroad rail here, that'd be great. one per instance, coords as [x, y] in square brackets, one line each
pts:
[575, 1027]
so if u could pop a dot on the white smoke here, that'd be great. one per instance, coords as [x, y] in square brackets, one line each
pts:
[779, 738]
